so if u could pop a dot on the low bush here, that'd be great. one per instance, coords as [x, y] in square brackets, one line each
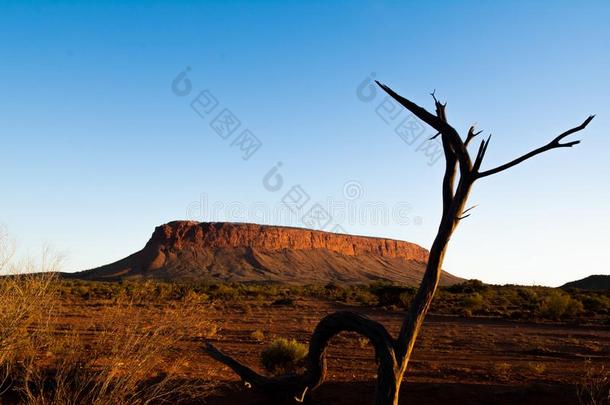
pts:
[468, 287]
[474, 302]
[558, 305]
[284, 356]
[596, 303]
[393, 295]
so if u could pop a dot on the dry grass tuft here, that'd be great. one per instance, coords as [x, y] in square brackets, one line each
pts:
[128, 354]
[27, 302]
[594, 388]
[258, 335]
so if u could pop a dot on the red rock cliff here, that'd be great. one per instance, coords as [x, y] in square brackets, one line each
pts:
[189, 235]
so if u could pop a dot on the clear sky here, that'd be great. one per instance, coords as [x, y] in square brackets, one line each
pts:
[98, 147]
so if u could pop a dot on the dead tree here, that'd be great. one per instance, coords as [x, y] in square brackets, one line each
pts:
[393, 354]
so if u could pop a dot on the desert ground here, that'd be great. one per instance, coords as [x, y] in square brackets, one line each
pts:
[457, 360]
[70, 342]
[482, 360]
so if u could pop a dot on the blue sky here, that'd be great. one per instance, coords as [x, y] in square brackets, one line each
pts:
[97, 149]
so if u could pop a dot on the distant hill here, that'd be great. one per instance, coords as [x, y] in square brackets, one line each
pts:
[596, 283]
[232, 252]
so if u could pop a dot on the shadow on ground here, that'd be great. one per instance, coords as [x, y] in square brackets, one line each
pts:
[355, 393]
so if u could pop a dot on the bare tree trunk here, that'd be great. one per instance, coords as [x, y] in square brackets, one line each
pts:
[393, 355]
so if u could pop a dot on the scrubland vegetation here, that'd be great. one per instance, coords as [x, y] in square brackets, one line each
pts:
[129, 350]
[127, 354]
[471, 298]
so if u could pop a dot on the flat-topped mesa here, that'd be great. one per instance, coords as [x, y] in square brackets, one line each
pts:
[188, 251]
[189, 235]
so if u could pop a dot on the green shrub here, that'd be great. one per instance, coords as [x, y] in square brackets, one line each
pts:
[225, 292]
[474, 302]
[529, 298]
[391, 295]
[284, 356]
[405, 298]
[468, 287]
[364, 297]
[558, 305]
[596, 303]
[332, 288]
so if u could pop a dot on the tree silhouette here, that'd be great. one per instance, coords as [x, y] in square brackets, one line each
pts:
[393, 354]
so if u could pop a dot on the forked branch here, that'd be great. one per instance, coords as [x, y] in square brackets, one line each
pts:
[471, 135]
[555, 143]
[438, 122]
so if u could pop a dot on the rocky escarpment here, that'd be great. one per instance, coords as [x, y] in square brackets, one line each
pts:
[194, 251]
[181, 235]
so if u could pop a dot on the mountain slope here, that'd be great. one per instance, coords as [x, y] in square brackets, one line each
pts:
[193, 251]
[595, 283]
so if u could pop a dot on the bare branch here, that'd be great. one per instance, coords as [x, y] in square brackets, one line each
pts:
[481, 154]
[297, 386]
[244, 372]
[419, 112]
[440, 108]
[471, 135]
[346, 321]
[450, 157]
[438, 123]
[554, 144]
[468, 209]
